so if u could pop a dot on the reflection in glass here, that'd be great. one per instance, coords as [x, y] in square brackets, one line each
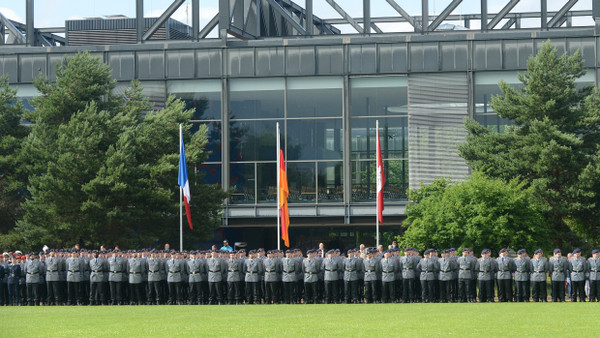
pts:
[214, 139]
[253, 140]
[314, 139]
[203, 96]
[242, 183]
[314, 97]
[211, 173]
[364, 187]
[393, 132]
[301, 182]
[267, 182]
[379, 96]
[256, 98]
[330, 181]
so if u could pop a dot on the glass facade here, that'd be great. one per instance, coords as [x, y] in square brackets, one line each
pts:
[382, 99]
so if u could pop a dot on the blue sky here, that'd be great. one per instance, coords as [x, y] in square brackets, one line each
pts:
[53, 13]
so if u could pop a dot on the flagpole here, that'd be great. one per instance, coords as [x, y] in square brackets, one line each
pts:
[377, 206]
[278, 179]
[180, 198]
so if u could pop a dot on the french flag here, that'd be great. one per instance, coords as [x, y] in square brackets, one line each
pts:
[183, 181]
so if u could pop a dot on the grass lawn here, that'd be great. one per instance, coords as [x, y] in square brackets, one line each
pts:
[374, 320]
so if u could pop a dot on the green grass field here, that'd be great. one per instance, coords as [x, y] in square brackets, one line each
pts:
[417, 320]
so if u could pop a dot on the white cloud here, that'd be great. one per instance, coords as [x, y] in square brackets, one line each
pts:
[11, 14]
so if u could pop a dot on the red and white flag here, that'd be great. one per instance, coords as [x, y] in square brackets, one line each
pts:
[380, 180]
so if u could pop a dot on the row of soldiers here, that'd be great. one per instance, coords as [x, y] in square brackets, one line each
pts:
[61, 277]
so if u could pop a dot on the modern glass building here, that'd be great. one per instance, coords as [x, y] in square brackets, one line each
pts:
[326, 89]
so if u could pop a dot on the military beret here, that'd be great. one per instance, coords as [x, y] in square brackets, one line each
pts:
[556, 250]
[452, 249]
[432, 250]
[595, 251]
[502, 250]
[537, 251]
[465, 250]
[523, 250]
[520, 252]
[577, 251]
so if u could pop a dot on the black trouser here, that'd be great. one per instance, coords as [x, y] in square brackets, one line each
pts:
[155, 292]
[427, 290]
[33, 290]
[234, 292]
[505, 289]
[578, 288]
[53, 292]
[252, 296]
[361, 289]
[454, 290]
[464, 290]
[474, 288]
[351, 290]
[97, 295]
[408, 291]
[73, 289]
[310, 293]
[388, 291]
[12, 293]
[486, 291]
[299, 290]
[85, 290]
[331, 292]
[195, 293]
[116, 292]
[289, 292]
[215, 293]
[594, 290]
[522, 291]
[174, 292]
[271, 292]
[371, 291]
[558, 291]
[398, 288]
[539, 291]
[136, 293]
[444, 286]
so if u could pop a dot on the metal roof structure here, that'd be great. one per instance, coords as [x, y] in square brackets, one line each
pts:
[260, 19]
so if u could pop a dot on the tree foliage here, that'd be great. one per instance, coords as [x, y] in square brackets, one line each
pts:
[12, 133]
[477, 213]
[102, 168]
[552, 146]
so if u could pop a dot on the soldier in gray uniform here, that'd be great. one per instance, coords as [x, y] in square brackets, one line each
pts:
[558, 267]
[311, 268]
[428, 268]
[272, 268]
[154, 266]
[289, 277]
[578, 269]
[13, 275]
[352, 265]
[523, 270]
[446, 276]
[539, 266]
[234, 287]
[329, 266]
[33, 272]
[389, 267]
[466, 269]
[506, 267]
[74, 266]
[409, 265]
[195, 269]
[116, 276]
[594, 269]
[174, 268]
[214, 278]
[98, 268]
[252, 269]
[372, 268]
[486, 267]
[136, 268]
[53, 267]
